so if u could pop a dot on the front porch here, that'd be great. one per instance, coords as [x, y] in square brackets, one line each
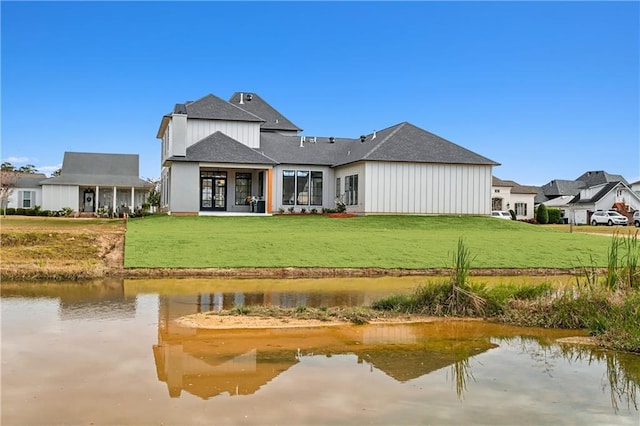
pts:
[109, 201]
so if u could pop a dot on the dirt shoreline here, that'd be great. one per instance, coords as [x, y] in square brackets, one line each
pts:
[315, 272]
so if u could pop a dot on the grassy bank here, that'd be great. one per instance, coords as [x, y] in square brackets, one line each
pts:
[411, 242]
[35, 248]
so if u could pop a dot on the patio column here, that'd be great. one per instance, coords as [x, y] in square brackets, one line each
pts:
[114, 199]
[269, 190]
[96, 204]
[133, 198]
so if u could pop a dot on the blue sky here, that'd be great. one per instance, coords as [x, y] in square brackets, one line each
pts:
[548, 89]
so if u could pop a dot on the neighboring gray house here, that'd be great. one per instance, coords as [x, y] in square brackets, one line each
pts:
[26, 192]
[243, 156]
[606, 196]
[593, 190]
[91, 181]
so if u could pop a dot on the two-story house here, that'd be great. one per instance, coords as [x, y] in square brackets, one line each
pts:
[242, 155]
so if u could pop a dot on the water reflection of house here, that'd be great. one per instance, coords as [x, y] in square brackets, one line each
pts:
[93, 300]
[207, 363]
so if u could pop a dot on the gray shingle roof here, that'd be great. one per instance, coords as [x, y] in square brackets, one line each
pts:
[287, 149]
[558, 187]
[253, 103]
[516, 188]
[28, 180]
[220, 148]
[593, 178]
[84, 168]
[213, 108]
[402, 143]
[405, 142]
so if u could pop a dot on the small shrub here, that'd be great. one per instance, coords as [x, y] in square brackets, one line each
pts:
[11, 211]
[281, 210]
[555, 216]
[542, 215]
[303, 210]
[65, 212]
[241, 310]
[314, 211]
[291, 209]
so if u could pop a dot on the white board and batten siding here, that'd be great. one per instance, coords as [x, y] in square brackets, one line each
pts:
[414, 188]
[245, 133]
[57, 197]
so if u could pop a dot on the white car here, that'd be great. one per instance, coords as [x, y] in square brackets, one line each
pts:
[501, 214]
[609, 218]
[636, 218]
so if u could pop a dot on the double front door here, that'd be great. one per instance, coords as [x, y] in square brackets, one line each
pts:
[213, 191]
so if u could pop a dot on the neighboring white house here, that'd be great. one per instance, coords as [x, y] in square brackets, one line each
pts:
[509, 195]
[26, 191]
[92, 181]
[243, 156]
[607, 196]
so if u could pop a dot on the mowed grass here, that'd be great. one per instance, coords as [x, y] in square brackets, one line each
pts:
[413, 242]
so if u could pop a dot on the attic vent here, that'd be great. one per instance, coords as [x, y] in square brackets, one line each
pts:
[374, 135]
[301, 141]
[332, 140]
[276, 121]
[363, 138]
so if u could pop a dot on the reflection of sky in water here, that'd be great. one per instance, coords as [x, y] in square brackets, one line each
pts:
[76, 368]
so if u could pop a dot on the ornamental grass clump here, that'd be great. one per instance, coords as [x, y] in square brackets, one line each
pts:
[454, 297]
[607, 305]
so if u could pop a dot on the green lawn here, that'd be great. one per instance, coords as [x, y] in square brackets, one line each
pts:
[371, 241]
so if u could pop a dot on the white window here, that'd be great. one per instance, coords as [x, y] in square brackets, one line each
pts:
[27, 199]
[521, 209]
[351, 190]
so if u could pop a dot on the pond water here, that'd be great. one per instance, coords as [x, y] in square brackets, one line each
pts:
[109, 353]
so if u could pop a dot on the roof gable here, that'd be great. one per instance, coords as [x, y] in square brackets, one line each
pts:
[220, 148]
[213, 108]
[254, 104]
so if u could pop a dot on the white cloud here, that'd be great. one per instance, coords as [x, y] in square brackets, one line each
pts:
[49, 169]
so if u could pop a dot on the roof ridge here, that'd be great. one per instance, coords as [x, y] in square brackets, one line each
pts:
[248, 112]
[383, 141]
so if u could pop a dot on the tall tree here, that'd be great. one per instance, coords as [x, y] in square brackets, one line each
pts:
[28, 168]
[8, 179]
[7, 167]
[56, 172]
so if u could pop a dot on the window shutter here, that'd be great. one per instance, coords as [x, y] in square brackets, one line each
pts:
[33, 199]
[20, 197]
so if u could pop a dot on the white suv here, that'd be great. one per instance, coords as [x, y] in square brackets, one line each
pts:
[501, 214]
[636, 218]
[609, 218]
